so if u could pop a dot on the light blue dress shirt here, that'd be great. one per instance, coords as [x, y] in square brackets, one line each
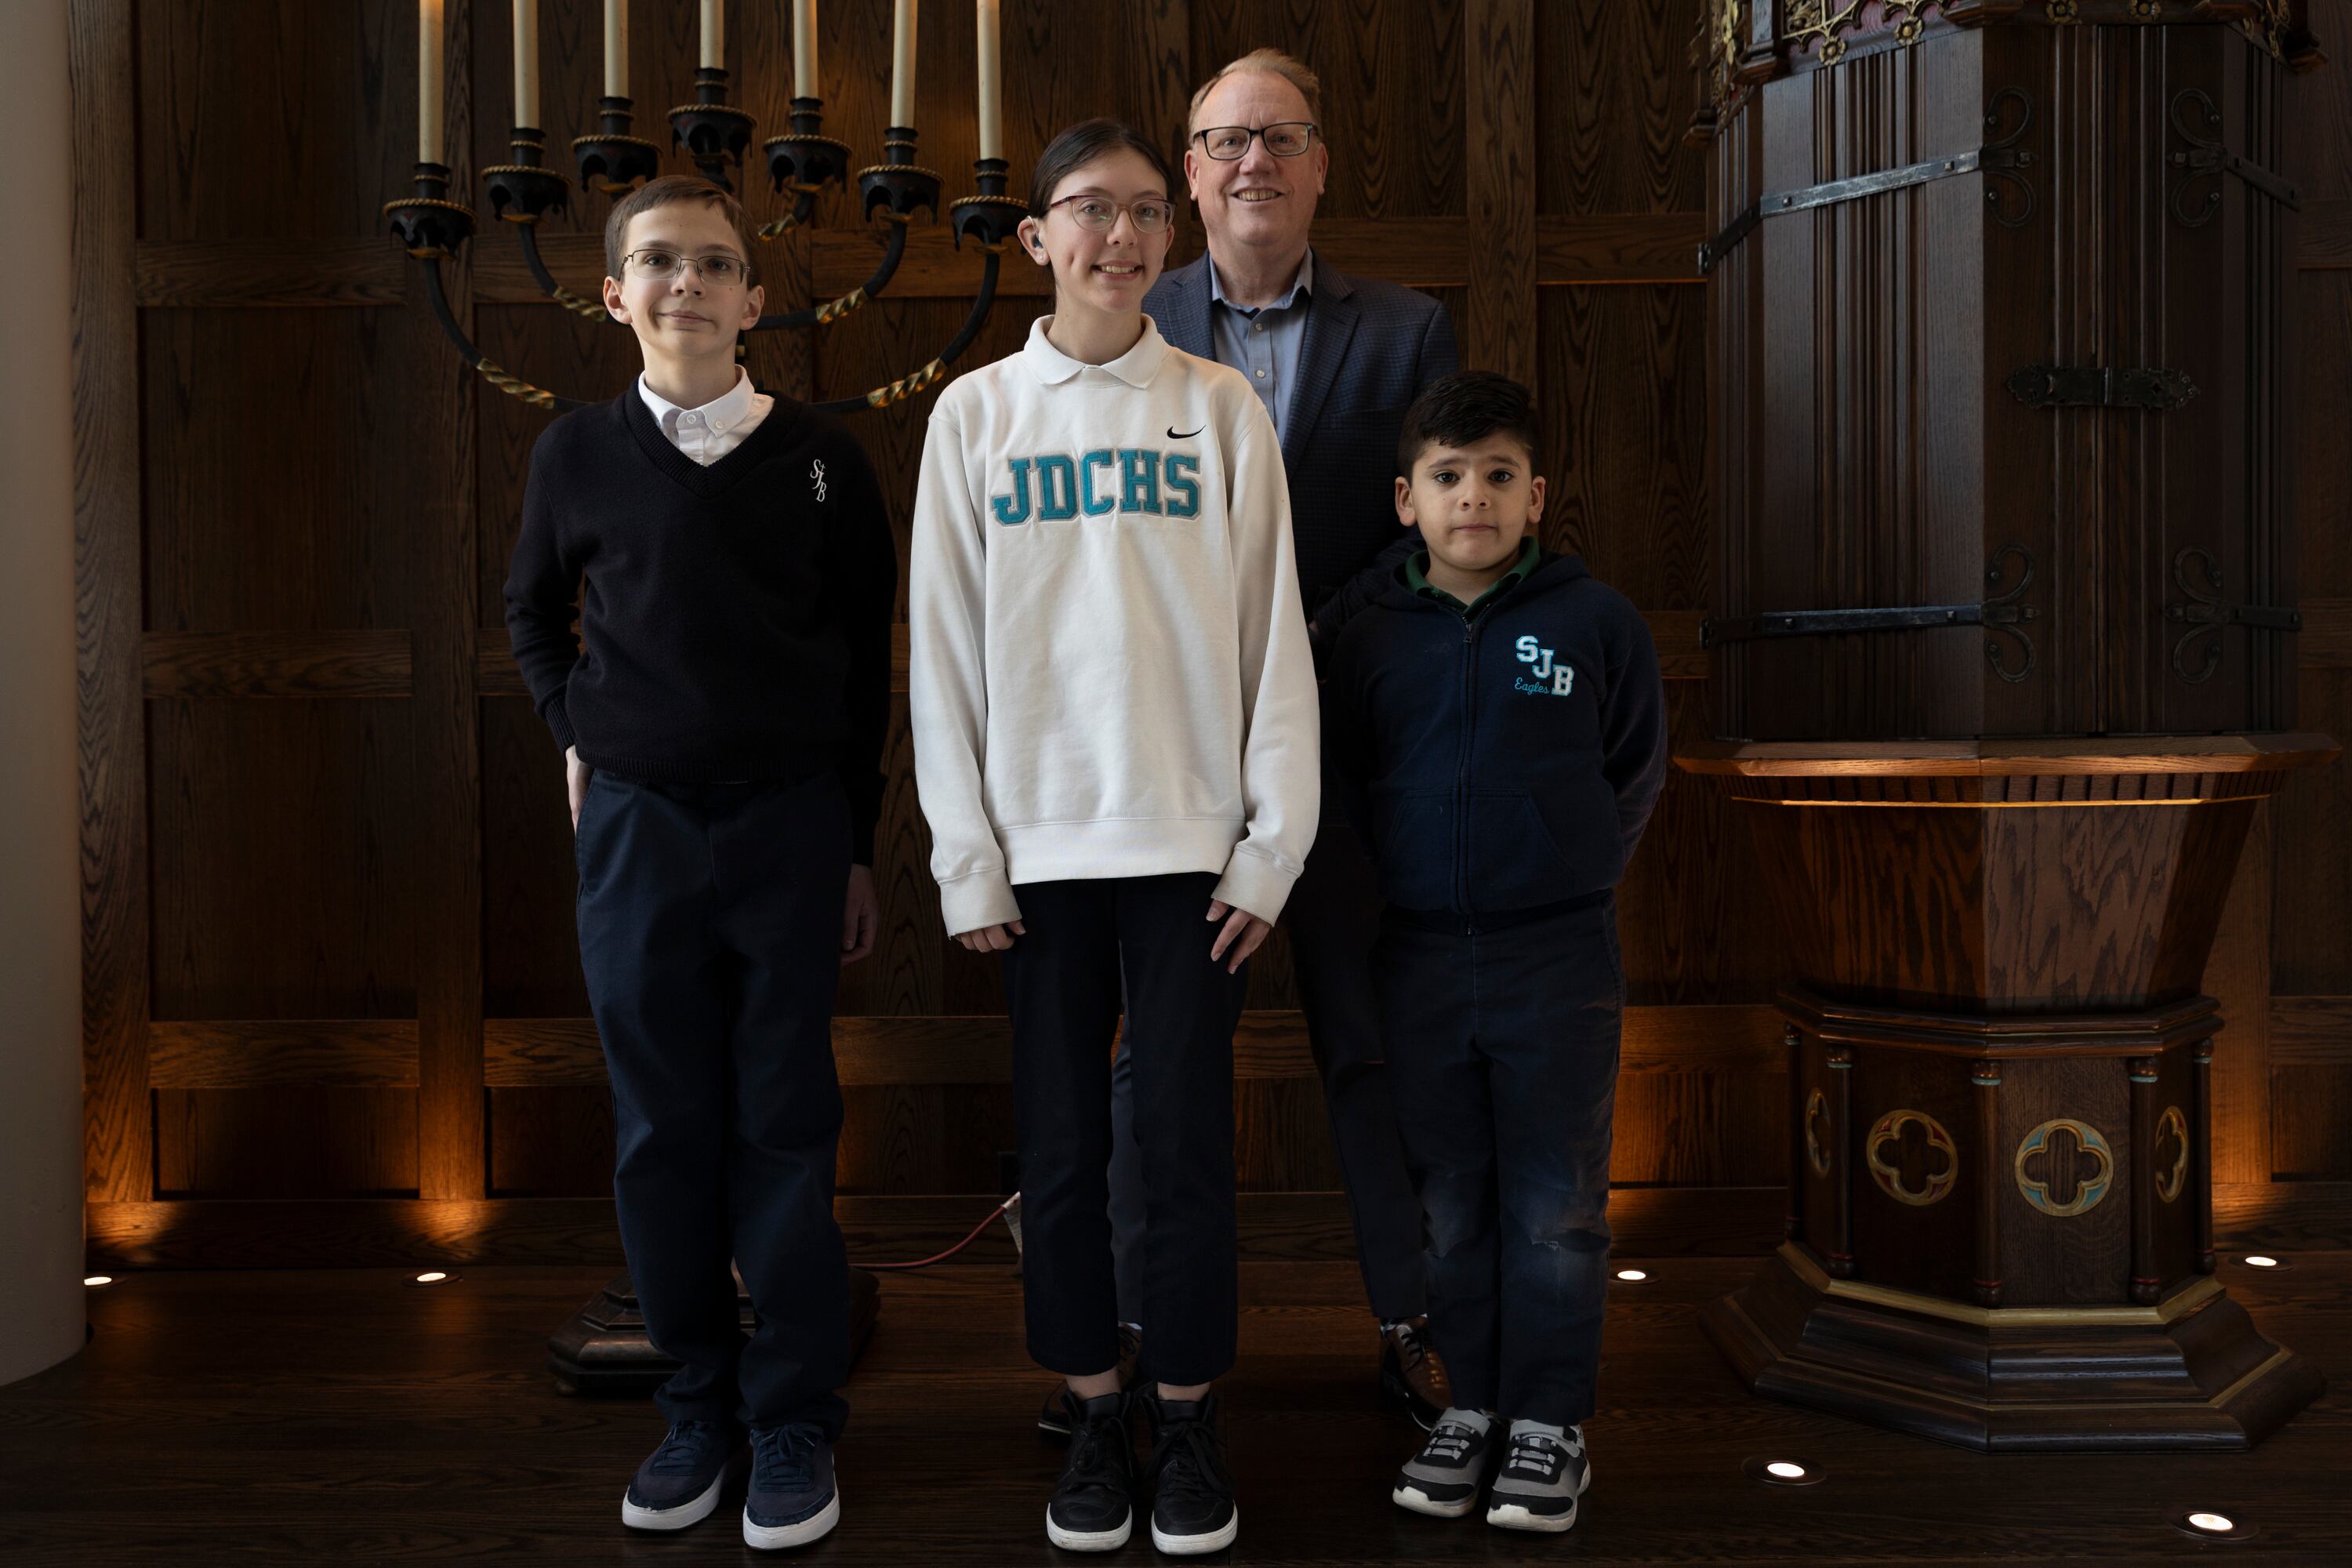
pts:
[1264, 343]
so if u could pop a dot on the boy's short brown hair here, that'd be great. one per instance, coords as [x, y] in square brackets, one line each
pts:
[1464, 409]
[661, 192]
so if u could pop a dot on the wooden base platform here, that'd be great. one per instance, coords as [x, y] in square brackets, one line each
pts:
[341, 1417]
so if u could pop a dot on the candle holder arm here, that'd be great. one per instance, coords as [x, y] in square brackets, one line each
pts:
[917, 381]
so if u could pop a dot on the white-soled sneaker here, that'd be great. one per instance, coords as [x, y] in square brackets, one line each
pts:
[678, 1483]
[1544, 1472]
[1444, 1477]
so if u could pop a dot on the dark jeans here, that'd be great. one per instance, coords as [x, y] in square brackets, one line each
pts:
[1062, 985]
[711, 935]
[1332, 918]
[1502, 1048]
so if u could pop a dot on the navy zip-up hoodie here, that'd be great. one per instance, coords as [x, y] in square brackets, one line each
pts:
[1504, 762]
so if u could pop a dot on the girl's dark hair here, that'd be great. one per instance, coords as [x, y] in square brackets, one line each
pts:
[1083, 144]
[1463, 408]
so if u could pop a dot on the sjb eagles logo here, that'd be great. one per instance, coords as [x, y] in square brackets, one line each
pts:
[1550, 679]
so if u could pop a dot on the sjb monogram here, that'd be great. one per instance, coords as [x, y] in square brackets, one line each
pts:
[816, 472]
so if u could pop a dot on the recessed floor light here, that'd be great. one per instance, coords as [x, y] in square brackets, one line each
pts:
[2208, 1524]
[2262, 1260]
[1774, 1472]
[1634, 1274]
[432, 1277]
[94, 1281]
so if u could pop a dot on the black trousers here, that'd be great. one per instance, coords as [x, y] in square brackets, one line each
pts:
[1332, 918]
[1063, 983]
[1502, 1048]
[710, 934]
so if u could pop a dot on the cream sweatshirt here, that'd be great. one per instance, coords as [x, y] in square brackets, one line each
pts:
[1109, 672]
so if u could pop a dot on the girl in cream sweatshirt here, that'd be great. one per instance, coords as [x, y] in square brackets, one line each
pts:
[1115, 740]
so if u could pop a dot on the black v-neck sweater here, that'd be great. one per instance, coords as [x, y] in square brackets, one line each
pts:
[734, 619]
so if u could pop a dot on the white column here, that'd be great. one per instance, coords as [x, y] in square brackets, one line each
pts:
[40, 922]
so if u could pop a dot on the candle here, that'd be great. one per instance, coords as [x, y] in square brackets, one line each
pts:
[991, 105]
[902, 65]
[428, 81]
[804, 48]
[526, 63]
[617, 48]
[714, 35]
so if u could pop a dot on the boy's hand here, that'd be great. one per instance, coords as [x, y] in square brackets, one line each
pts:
[1242, 933]
[991, 939]
[575, 780]
[861, 916]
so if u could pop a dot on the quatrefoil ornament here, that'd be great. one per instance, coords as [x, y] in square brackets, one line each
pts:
[1894, 1140]
[2172, 1137]
[1817, 1132]
[2062, 1141]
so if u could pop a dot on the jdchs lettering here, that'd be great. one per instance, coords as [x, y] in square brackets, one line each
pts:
[1136, 480]
[1550, 679]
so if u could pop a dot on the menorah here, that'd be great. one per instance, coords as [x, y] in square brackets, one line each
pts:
[716, 136]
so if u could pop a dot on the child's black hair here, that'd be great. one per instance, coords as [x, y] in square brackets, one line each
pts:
[1083, 144]
[1466, 407]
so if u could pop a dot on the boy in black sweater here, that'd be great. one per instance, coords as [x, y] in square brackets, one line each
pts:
[722, 727]
[1498, 719]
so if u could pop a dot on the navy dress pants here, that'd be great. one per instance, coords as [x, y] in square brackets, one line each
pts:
[1062, 985]
[1332, 917]
[711, 935]
[1502, 1051]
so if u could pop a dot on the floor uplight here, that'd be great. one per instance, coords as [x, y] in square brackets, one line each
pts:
[1782, 1472]
[2260, 1260]
[1632, 1275]
[95, 1280]
[432, 1277]
[2206, 1524]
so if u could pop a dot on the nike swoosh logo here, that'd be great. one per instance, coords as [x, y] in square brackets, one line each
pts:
[1176, 435]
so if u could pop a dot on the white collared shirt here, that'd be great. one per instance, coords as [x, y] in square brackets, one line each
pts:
[708, 432]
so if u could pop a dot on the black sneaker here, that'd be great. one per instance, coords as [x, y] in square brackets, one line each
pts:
[1543, 1474]
[678, 1483]
[1444, 1478]
[793, 1500]
[1192, 1491]
[1094, 1503]
[1054, 1420]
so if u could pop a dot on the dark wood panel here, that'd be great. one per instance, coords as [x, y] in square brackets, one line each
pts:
[2311, 933]
[276, 664]
[1393, 153]
[286, 1142]
[1499, 141]
[2310, 1108]
[1275, 1226]
[118, 1155]
[284, 474]
[276, 118]
[531, 947]
[1617, 102]
[2238, 975]
[2311, 1031]
[878, 1051]
[342, 1052]
[2326, 642]
[270, 271]
[554, 1143]
[285, 861]
[2326, 232]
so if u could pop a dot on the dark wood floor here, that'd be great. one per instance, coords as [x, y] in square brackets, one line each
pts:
[340, 1417]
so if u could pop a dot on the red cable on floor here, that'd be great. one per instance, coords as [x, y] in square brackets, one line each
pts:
[959, 1246]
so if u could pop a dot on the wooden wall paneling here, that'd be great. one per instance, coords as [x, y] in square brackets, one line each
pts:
[452, 1158]
[1609, 122]
[276, 664]
[1499, 149]
[118, 1153]
[554, 1141]
[530, 946]
[1393, 89]
[286, 1142]
[346, 1053]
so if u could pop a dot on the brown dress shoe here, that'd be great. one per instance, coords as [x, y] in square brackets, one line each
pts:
[1411, 1375]
[1054, 1420]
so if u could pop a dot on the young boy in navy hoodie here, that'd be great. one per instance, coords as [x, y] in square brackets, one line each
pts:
[731, 563]
[1496, 717]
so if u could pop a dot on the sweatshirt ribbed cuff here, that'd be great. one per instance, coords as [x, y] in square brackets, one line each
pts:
[981, 898]
[560, 722]
[1255, 883]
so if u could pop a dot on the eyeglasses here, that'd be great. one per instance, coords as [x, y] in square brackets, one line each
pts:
[1152, 215]
[718, 268]
[1286, 140]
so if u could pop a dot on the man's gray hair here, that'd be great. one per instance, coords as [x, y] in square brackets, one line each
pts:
[1274, 62]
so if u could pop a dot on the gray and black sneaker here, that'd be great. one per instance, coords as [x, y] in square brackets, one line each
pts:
[678, 1483]
[793, 1500]
[1444, 1477]
[1544, 1472]
[1094, 1503]
[1192, 1491]
[1054, 1420]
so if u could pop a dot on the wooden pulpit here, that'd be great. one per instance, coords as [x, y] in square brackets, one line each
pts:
[2002, 664]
